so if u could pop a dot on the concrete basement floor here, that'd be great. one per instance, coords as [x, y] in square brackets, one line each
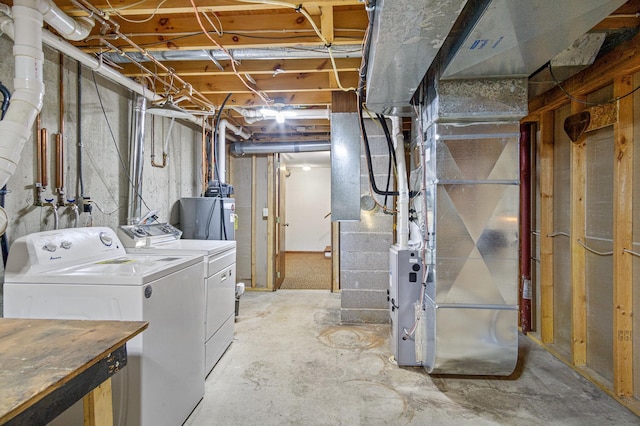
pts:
[292, 363]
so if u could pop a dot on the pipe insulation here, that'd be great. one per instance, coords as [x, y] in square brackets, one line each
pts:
[403, 186]
[242, 148]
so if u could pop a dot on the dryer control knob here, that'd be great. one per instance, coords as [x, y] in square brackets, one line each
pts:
[65, 245]
[49, 246]
[106, 239]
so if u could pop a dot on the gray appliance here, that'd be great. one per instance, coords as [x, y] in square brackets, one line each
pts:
[406, 279]
[207, 218]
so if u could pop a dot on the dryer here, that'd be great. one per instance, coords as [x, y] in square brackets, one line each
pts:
[85, 273]
[218, 277]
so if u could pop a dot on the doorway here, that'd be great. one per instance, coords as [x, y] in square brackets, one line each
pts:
[306, 192]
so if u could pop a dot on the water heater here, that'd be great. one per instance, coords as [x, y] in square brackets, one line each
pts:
[207, 218]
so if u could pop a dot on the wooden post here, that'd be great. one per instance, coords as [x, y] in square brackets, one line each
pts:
[271, 222]
[578, 254]
[335, 256]
[254, 225]
[546, 226]
[623, 239]
[98, 410]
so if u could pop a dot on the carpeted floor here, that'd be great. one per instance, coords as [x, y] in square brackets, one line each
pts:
[308, 271]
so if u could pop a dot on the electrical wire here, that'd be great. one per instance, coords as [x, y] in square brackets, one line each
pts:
[220, 32]
[115, 144]
[135, 21]
[262, 96]
[580, 101]
[300, 9]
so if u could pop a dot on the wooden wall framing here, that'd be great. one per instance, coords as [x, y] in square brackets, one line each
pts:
[617, 69]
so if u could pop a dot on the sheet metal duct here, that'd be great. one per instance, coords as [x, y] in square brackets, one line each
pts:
[515, 38]
[242, 148]
[406, 36]
[338, 51]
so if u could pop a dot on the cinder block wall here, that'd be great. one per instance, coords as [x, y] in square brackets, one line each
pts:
[364, 245]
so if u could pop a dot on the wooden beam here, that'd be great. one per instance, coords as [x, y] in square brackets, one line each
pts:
[578, 254]
[287, 83]
[180, 6]
[250, 99]
[624, 60]
[546, 226]
[623, 239]
[326, 23]
[271, 68]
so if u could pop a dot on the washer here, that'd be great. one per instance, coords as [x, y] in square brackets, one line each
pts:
[218, 275]
[85, 273]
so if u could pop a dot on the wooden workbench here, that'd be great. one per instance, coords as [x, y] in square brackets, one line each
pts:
[48, 365]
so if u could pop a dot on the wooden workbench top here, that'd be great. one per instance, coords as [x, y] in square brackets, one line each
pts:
[39, 356]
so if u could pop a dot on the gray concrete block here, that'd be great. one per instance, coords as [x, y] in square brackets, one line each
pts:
[364, 316]
[371, 280]
[364, 299]
[364, 261]
[366, 242]
[377, 222]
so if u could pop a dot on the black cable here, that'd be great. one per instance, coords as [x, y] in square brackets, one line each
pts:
[210, 218]
[223, 225]
[367, 150]
[215, 142]
[573, 98]
[6, 97]
[392, 151]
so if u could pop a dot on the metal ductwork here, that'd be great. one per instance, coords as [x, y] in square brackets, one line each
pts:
[406, 36]
[338, 51]
[243, 148]
[484, 38]
[515, 38]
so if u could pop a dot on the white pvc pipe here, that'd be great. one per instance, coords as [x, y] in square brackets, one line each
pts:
[68, 27]
[26, 101]
[222, 146]
[403, 186]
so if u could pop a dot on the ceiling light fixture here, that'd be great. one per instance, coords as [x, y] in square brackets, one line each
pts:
[306, 168]
[168, 109]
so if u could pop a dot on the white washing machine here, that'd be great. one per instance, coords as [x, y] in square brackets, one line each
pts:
[85, 273]
[218, 277]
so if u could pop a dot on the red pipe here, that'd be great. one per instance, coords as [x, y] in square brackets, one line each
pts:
[525, 227]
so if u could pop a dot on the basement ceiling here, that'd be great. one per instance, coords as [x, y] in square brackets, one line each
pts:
[281, 59]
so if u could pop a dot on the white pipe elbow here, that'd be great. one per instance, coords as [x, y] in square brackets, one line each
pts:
[68, 27]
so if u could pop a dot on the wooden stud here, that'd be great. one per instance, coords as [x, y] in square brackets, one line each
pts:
[546, 226]
[254, 207]
[335, 256]
[578, 254]
[97, 404]
[623, 239]
[271, 223]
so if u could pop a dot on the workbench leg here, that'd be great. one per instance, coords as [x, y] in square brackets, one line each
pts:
[98, 410]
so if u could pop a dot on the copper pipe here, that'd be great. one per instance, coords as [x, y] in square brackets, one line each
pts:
[59, 164]
[44, 177]
[38, 153]
[61, 96]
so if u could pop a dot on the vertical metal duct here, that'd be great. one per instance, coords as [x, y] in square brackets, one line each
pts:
[136, 157]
